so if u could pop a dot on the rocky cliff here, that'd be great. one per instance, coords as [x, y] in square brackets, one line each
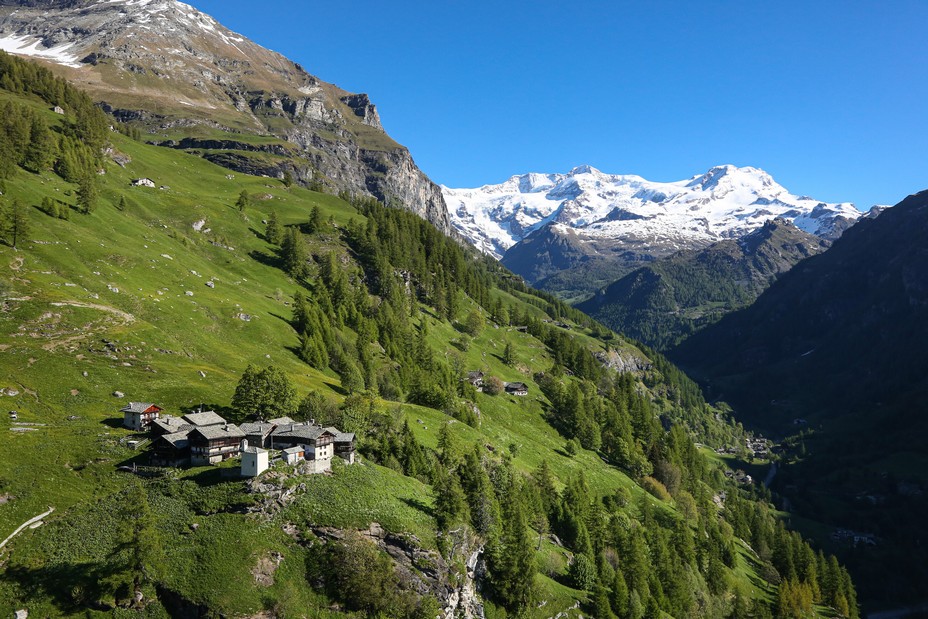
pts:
[178, 74]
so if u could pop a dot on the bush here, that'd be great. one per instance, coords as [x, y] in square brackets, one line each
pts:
[492, 385]
[582, 572]
[655, 488]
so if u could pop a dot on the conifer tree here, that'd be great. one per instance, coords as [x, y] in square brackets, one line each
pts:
[15, 223]
[450, 502]
[315, 220]
[87, 193]
[511, 559]
[509, 354]
[272, 231]
[243, 201]
[293, 252]
[42, 148]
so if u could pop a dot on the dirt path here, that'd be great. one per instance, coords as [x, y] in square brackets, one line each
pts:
[126, 316]
[26, 524]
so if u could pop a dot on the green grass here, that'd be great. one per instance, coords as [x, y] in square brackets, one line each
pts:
[123, 276]
[355, 496]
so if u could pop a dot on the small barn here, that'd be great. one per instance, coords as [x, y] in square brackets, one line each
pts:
[292, 455]
[519, 389]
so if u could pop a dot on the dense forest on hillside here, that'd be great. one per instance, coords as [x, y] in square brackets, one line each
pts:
[590, 488]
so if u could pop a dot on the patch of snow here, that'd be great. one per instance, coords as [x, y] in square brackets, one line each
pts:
[32, 46]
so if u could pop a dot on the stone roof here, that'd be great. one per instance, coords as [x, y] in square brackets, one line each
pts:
[229, 430]
[206, 418]
[300, 430]
[252, 449]
[279, 421]
[341, 437]
[139, 407]
[257, 427]
[171, 424]
[177, 440]
[293, 450]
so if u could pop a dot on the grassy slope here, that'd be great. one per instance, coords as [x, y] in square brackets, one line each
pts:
[166, 339]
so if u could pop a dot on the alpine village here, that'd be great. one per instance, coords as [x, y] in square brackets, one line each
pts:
[254, 363]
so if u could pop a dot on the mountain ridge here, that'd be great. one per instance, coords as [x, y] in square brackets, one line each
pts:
[610, 212]
[178, 73]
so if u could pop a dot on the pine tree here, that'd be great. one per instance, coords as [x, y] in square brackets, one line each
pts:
[509, 354]
[272, 231]
[87, 193]
[243, 201]
[293, 253]
[450, 502]
[15, 224]
[42, 148]
[315, 220]
[619, 596]
[511, 560]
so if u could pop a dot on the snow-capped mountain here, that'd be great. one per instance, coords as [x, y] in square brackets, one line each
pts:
[658, 218]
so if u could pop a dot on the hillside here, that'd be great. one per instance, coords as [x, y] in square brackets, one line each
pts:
[836, 349]
[185, 81]
[168, 293]
[664, 302]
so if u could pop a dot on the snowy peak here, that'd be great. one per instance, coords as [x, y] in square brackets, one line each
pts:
[724, 202]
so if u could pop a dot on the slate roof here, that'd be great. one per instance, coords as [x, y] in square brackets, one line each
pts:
[341, 437]
[177, 440]
[229, 430]
[206, 418]
[252, 449]
[279, 421]
[299, 430]
[139, 407]
[170, 424]
[261, 428]
[293, 450]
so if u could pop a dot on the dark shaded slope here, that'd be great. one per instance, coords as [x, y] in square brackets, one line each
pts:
[664, 302]
[841, 342]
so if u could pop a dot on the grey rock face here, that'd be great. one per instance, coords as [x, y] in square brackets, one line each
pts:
[177, 68]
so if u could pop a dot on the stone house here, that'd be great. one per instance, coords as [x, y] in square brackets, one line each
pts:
[139, 415]
[215, 443]
[519, 389]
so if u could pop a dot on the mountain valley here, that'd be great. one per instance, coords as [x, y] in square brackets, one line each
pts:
[190, 222]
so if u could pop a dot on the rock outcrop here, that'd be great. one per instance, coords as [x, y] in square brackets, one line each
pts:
[165, 66]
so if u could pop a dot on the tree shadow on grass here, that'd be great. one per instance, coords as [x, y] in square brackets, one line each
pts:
[419, 505]
[113, 422]
[71, 587]
[266, 259]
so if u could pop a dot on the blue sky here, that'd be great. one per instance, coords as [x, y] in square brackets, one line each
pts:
[831, 98]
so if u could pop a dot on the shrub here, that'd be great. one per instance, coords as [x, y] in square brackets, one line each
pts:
[582, 572]
[655, 488]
